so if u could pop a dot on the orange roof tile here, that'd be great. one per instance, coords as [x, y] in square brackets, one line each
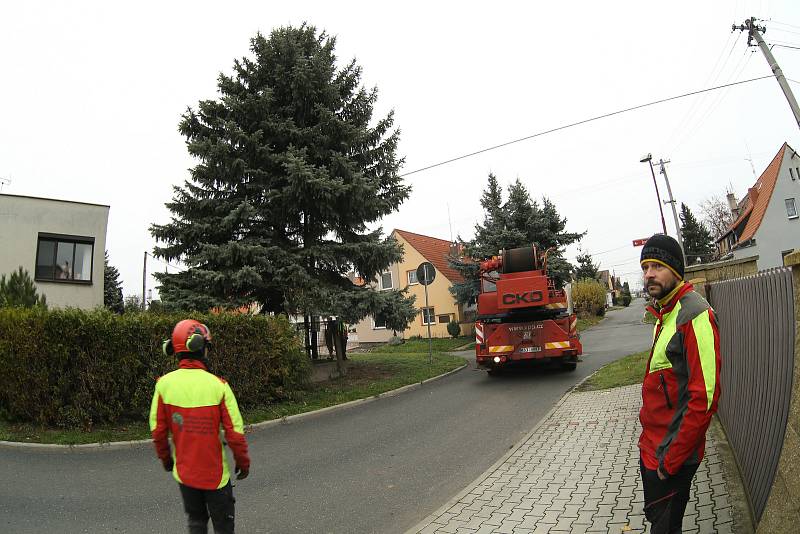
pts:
[760, 195]
[434, 250]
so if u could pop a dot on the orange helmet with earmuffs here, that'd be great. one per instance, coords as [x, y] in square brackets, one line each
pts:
[188, 336]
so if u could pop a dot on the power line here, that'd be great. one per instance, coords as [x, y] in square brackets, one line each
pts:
[181, 269]
[787, 46]
[783, 24]
[711, 79]
[584, 121]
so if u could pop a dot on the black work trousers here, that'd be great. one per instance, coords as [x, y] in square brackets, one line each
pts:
[665, 500]
[202, 504]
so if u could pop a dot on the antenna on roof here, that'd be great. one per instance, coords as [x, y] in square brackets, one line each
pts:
[750, 158]
[4, 181]
[450, 222]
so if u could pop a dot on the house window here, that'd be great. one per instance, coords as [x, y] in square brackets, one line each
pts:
[444, 318]
[791, 209]
[428, 316]
[791, 173]
[379, 322]
[386, 280]
[64, 258]
[412, 277]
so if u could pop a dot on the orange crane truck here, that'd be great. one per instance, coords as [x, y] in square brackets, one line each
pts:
[522, 316]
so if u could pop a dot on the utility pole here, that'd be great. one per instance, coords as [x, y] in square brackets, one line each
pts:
[754, 32]
[671, 200]
[144, 282]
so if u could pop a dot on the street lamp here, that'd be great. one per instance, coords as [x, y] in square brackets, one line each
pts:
[649, 159]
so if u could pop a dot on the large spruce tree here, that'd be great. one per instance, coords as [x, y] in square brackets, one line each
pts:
[698, 245]
[291, 170]
[519, 221]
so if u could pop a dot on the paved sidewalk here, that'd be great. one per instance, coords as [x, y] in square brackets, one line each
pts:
[579, 472]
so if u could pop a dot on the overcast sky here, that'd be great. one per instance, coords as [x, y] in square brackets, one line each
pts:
[92, 94]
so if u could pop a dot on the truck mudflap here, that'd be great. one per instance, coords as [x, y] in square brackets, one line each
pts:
[498, 344]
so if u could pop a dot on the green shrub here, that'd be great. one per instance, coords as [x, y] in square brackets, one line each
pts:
[589, 297]
[453, 328]
[626, 299]
[72, 368]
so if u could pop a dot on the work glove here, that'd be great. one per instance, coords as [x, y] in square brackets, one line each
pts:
[168, 464]
[241, 472]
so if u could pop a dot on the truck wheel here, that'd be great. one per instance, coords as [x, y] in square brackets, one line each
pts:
[571, 366]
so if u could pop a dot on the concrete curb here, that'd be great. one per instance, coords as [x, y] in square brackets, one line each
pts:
[431, 517]
[115, 445]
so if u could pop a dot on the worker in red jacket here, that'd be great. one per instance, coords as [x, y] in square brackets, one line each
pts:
[681, 386]
[191, 404]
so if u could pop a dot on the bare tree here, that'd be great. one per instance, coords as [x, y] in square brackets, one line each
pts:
[717, 215]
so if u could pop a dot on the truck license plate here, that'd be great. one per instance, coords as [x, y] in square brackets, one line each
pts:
[530, 349]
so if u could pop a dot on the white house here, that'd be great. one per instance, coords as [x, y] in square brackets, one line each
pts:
[767, 224]
[60, 243]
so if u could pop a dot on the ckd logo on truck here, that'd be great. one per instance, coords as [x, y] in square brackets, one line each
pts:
[526, 297]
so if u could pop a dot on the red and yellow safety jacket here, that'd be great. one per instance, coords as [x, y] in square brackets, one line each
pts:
[681, 386]
[191, 403]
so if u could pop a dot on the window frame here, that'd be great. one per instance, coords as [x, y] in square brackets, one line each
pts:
[408, 277]
[375, 325]
[64, 238]
[431, 315]
[391, 278]
[439, 317]
[794, 207]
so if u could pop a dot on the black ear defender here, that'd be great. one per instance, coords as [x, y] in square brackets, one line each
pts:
[167, 347]
[197, 341]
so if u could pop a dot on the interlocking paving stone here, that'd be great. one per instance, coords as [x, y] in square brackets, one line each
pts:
[579, 473]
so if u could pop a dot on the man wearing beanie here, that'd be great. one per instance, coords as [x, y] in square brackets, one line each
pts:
[681, 386]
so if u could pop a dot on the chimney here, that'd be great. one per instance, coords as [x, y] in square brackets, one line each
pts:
[733, 205]
[456, 250]
[753, 193]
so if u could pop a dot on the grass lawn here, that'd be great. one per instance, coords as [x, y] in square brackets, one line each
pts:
[586, 321]
[368, 375]
[440, 344]
[623, 372]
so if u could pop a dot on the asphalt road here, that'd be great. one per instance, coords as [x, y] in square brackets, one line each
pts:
[379, 467]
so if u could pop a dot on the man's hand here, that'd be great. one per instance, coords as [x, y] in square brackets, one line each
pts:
[168, 464]
[241, 473]
[662, 475]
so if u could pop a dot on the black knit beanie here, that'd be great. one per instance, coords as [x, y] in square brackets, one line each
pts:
[666, 251]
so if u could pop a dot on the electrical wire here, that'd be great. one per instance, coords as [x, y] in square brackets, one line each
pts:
[584, 121]
[783, 24]
[712, 78]
[787, 46]
[738, 70]
[180, 269]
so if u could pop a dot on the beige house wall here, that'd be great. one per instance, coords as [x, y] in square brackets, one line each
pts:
[22, 219]
[439, 297]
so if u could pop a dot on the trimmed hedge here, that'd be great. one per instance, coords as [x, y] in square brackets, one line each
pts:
[75, 369]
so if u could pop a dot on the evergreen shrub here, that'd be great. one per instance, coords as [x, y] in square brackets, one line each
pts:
[75, 369]
[453, 328]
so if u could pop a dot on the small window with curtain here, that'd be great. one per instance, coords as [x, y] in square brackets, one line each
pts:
[791, 208]
[62, 258]
[412, 277]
